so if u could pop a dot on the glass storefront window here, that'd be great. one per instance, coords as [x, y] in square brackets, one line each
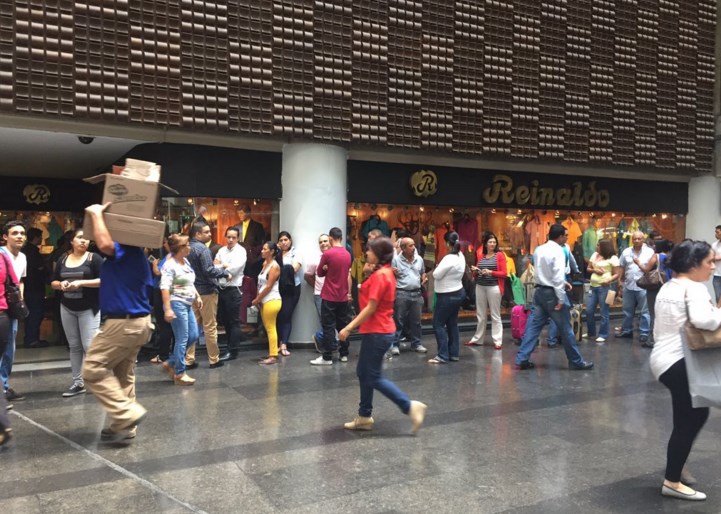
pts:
[220, 213]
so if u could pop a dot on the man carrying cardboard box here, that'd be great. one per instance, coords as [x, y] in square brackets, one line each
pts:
[109, 369]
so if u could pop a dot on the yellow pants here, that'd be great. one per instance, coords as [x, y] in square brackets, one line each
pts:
[269, 312]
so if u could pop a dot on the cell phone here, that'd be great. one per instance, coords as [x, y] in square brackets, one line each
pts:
[152, 259]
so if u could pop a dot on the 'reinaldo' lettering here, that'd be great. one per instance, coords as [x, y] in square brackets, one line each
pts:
[502, 191]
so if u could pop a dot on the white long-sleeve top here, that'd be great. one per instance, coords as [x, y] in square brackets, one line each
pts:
[671, 315]
[550, 261]
[448, 275]
[234, 261]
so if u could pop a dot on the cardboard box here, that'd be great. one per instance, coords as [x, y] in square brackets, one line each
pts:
[129, 230]
[128, 196]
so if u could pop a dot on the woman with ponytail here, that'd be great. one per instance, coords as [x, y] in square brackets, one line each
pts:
[377, 329]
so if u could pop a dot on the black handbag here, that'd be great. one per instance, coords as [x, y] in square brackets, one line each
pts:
[17, 308]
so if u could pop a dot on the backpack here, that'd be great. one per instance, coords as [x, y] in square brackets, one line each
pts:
[286, 281]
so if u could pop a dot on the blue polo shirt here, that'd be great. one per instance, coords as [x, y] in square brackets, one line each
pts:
[125, 282]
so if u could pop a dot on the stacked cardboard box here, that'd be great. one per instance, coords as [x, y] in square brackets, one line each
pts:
[133, 195]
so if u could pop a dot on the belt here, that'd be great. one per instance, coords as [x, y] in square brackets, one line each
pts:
[546, 287]
[124, 316]
[410, 290]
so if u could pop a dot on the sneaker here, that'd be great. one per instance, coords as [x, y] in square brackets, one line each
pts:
[344, 358]
[600, 339]
[320, 361]
[74, 390]
[12, 395]
[108, 435]
[584, 336]
[420, 349]
[360, 423]
[9, 406]
[318, 344]
[395, 350]
[417, 413]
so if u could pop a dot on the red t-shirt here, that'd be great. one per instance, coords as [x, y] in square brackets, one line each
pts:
[381, 287]
[335, 287]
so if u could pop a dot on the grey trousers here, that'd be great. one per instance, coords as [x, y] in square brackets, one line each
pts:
[80, 328]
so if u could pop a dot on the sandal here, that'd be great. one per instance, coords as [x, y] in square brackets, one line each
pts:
[471, 343]
[268, 360]
[284, 351]
[5, 436]
[166, 368]
[436, 360]
[156, 360]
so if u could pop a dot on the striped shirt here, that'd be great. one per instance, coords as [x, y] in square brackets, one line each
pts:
[488, 263]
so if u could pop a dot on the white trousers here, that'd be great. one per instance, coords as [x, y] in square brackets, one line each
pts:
[488, 298]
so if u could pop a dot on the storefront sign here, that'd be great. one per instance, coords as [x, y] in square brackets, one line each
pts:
[385, 182]
[424, 183]
[36, 194]
[580, 195]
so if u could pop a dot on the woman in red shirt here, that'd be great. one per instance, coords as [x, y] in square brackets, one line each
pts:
[6, 273]
[377, 330]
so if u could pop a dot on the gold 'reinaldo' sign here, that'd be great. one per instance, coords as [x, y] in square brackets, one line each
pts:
[504, 191]
[424, 183]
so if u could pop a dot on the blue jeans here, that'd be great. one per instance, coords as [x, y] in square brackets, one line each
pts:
[185, 330]
[544, 303]
[552, 336]
[369, 371]
[6, 361]
[597, 296]
[631, 300]
[445, 324]
[717, 287]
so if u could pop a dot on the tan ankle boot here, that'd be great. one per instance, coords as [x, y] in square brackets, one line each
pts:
[360, 423]
[417, 413]
[183, 380]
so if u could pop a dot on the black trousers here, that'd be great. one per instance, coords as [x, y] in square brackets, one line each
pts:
[229, 311]
[4, 336]
[284, 322]
[687, 421]
[163, 330]
[334, 316]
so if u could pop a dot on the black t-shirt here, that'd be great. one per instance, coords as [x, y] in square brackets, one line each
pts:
[86, 297]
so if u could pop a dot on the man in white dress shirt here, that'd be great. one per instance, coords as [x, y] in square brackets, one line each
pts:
[231, 258]
[634, 297]
[551, 302]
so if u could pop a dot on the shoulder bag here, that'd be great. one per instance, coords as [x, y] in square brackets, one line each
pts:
[17, 308]
[699, 339]
[653, 279]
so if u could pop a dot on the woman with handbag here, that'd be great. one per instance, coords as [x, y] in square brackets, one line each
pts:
[269, 300]
[287, 256]
[7, 276]
[659, 273]
[77, 278]
[683, 299]
[604, 270]
[490, 276]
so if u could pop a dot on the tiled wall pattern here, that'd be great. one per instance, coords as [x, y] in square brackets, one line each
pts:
[616, 82]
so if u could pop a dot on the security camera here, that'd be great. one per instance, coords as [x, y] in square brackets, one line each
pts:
[86, 140]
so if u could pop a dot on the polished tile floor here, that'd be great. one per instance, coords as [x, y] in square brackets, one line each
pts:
[253, 439]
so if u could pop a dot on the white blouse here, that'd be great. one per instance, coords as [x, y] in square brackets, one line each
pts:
[671, 315]
[448, 275]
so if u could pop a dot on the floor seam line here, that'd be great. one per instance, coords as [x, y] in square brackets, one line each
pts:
[115, 467]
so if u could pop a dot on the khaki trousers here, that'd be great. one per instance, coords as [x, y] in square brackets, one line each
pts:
[109, 368]
[206, 316]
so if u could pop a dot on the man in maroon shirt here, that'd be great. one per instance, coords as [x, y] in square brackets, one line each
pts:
[334, 265]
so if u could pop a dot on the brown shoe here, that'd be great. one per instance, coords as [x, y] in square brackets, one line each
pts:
[183, 380]
[268, 361]
[166, 368]
[360, 423]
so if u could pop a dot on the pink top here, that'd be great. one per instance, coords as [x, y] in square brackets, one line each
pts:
[5, 267]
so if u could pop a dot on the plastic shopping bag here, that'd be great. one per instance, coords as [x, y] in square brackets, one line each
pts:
[704, 376]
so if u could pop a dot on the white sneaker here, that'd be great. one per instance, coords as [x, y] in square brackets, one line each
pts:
[420, 349]
[321, 362]
[344, 358]
[395, 350]
[584, 336]
[600, 339]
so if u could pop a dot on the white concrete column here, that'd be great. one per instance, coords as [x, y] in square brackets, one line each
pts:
[704, 207]
[704, 211]
[314, 184]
